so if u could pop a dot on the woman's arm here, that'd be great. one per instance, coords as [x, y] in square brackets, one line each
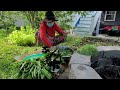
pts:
[59, 30]
[43, 37]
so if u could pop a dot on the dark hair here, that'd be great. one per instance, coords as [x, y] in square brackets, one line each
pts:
[50, 16]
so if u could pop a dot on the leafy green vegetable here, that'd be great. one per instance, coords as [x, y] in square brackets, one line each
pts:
[34, 70]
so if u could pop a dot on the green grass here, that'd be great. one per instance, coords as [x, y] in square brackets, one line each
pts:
[8, 65]
[88, 49]
[73, 42]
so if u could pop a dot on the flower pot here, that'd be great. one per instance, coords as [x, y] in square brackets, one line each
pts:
[66, 59]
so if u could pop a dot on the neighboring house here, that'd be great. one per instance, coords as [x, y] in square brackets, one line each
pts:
[87, 25]
[111, 18]
[110, 22]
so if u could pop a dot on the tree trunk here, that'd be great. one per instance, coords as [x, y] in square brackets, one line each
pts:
[32, 19]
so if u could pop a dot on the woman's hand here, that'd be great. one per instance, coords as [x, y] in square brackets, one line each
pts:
[53, 48]
[65, 34]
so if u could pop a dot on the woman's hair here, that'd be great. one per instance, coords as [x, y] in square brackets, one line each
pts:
[50, 16]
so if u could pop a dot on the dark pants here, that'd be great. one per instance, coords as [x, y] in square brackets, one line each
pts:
[58, 39]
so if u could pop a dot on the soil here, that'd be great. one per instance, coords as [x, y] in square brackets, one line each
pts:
[107, 68]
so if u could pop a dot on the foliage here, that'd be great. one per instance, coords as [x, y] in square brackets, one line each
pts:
[8, 65]
[73, 42]
[8, 18]
[65, 17]
[2, 33]
[8, 69]
[88, 50]
[23, 37]
[5, 33]
[31, 15]
[66, 53]
[34, 70]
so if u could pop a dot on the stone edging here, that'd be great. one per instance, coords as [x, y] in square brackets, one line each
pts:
[80, 68]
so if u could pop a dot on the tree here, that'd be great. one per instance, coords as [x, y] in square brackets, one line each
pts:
[66, 16]
[34, 17]
[8, 18]
[5, 19]
[31, 17]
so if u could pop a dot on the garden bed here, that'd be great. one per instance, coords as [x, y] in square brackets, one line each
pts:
[107, 64]
[107, 68]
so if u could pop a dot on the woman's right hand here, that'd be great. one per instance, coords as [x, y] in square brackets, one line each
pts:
[53, 48]
[65, 34]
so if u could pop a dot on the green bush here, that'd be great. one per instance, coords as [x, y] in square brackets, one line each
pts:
[3, 33]
[11, 29]
[6, 32]
[88, 49]
[23, 37]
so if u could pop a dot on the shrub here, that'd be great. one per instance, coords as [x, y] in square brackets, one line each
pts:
[23, 37]
[6, 32]
[3, 33]
[88, 50]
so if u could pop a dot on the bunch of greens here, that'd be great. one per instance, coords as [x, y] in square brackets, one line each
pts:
[34, 69]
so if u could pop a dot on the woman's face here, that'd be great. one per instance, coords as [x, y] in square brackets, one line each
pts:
[49, 23]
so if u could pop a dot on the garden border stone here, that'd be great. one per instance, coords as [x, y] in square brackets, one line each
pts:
[80, 68]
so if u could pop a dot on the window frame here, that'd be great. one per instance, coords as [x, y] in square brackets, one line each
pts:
[110, 14]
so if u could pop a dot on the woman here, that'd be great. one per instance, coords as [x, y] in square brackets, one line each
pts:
[47, 29]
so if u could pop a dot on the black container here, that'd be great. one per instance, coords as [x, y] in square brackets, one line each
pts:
[113, 33]
[66, 59]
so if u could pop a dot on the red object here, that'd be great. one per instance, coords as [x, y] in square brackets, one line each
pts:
[118, 27]
[50, 31]
[107, 28]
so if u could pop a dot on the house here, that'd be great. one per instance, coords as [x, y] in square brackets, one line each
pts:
[110, 22]
[87, 25]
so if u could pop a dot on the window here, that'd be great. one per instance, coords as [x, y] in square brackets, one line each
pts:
[110, 16]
